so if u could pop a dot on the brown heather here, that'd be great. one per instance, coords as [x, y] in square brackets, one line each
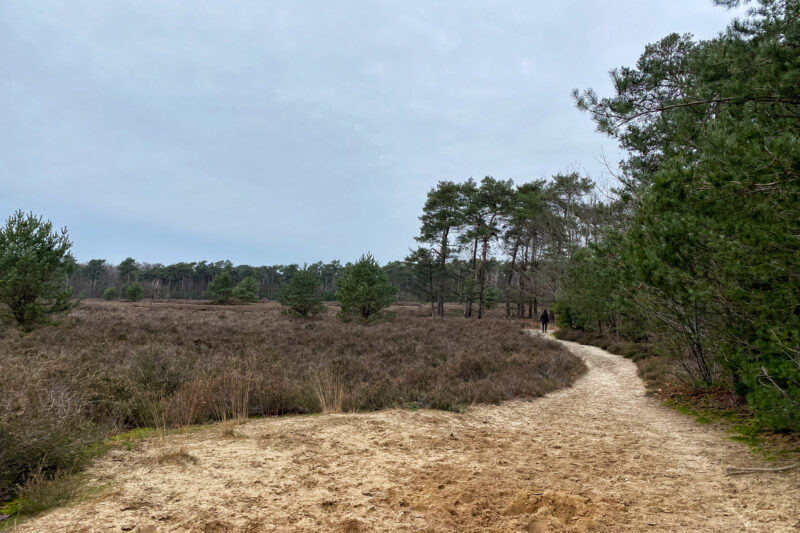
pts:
[111, 366]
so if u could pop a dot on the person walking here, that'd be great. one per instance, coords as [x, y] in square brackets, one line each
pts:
[544, 319]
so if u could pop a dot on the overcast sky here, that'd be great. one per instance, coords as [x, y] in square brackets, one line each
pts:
[278, 132]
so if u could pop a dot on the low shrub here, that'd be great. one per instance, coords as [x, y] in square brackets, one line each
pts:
[134, 292]
[40, 435]
[110, 293]
[246, 290]
[110, 367]
[301, 295]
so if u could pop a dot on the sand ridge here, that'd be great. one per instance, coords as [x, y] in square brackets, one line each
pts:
[599, 456]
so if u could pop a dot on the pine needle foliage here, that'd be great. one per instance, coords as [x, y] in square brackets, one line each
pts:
[35, 261]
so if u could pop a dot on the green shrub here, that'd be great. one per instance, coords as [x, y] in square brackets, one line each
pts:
[110, 293]
[246, 290]
[220, 290]
[490, 298]
[134, 292]
[774, 407]
[364, 290]
[301, 296]
[563, 314]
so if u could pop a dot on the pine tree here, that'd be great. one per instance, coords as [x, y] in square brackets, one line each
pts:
[110, 293]
[713, 140]
[34, 264]
[487, 208]
[134, 292]
[441, 216]
[301, 296]
[363, 290]
[246, 290]
[127, 268]
[220, 290]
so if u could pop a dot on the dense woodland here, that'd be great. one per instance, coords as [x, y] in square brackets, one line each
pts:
[705, 262]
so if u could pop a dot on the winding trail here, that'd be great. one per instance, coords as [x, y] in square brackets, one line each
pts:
[600, 456]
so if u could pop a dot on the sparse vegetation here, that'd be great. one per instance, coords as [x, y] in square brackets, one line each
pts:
[110, 367]
[176, 457]
[667, 380]
[42, 491]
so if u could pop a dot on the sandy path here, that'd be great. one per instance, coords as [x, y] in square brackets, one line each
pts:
[600, 456]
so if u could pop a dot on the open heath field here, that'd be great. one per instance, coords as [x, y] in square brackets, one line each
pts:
[111, 366]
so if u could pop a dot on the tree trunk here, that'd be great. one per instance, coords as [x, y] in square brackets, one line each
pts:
[522, 269]
[442, 271]
[534, 308]
[468, 306]
[432, 289]
[510, 278]
[482, 276]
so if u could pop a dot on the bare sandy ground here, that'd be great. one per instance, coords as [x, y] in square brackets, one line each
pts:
[600, 456]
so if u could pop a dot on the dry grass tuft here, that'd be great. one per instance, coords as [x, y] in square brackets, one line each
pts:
[330, 391]
[180, 456]
[227, 428]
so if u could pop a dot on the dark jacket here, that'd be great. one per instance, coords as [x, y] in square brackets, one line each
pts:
[544, 318]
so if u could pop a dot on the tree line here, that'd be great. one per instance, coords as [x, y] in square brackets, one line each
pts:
[37, 268]
[191, 280]
[489, 241]
[480, 243]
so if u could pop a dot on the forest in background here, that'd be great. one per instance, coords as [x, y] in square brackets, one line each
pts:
[502, 243]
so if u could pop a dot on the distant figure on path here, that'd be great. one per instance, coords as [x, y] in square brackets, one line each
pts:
[545, 318]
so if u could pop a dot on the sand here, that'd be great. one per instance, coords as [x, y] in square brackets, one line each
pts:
[600, 456]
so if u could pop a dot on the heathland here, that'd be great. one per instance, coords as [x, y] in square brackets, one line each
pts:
[600, 455]
[112, 366]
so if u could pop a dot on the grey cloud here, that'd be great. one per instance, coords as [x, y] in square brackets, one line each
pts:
[295, 131]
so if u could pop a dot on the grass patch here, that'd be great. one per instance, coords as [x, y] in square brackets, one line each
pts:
[42, 492]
